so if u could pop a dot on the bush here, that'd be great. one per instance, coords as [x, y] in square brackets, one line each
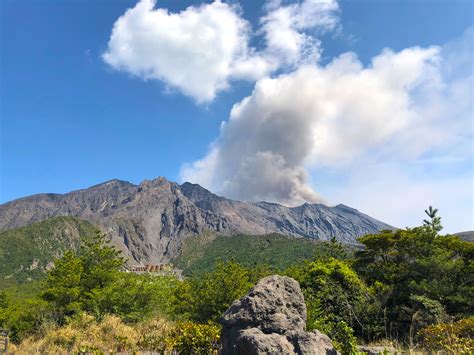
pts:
[335, 298]
[153, 334]
[135, 297]
[425, 274]
[83, 333]
[457, 337]
[206, 297]
[192, 338]
[340, 333]
[23, 317]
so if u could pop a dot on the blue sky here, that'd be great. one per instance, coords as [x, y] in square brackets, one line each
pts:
[70, 119]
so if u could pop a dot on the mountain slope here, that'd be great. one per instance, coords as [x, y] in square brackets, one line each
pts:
[467, 236]
[199, 254]
[149, 222]
[26, 252]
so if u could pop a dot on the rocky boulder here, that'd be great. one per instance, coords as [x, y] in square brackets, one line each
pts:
[271, 318]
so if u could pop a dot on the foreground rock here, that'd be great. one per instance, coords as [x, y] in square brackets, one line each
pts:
[271, 318]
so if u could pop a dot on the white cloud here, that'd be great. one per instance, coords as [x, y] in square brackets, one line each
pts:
[402, 106]
[290, 30]
[195, 51]
[201, 49]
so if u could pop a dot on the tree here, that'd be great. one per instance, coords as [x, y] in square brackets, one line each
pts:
[76, 281]
[134, 297]
[207, 297]
[63, 290]
[434, 222]
[21, 317]
[421, 271]
[335, 298]
[332, 248]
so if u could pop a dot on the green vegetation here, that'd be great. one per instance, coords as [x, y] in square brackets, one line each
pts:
[278, 252]
[335, 298]
[413, 287]
[457, 337]
[206, 298]
[26, 252]
[85, 334]
[422, 278]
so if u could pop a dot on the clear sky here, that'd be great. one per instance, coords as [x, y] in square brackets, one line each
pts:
[366, 103]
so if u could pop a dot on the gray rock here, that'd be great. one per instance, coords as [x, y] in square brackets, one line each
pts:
[274, 305]
[254, 341]
[313, 342]
[271, 318]
[466, 236]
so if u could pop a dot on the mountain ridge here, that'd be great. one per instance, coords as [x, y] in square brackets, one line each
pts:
[149, 221]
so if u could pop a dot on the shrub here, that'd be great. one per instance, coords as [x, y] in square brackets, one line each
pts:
[340, 333]
[335, 298]
[83, 333]
[192, 338]
[206, 297]
[135, 297]
[153, 334]
[457, 337]
[23, 317]
[425, 274]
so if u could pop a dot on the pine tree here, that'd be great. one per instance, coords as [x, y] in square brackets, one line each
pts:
[434, 222]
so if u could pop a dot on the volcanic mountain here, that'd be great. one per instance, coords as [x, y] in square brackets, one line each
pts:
[150, 221]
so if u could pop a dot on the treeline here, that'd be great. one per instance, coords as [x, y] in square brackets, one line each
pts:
[412, 287]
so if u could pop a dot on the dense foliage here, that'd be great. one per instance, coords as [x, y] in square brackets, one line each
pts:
[414, 287]
[424, 277]
[26, 252]
[201, 253]
[207, 297]
[335, 297]
[457, 337]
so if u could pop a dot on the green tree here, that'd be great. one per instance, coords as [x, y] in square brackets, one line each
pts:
[63, 290]
[134, 297]
[76, 281]
[22, 317]
[434, 222]
[207, 297]
[332, 248]
[414, 265]
[335, 298]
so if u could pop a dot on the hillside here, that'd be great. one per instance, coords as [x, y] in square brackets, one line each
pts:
[467, 236]
[199, 254]
[150, 221]
[26, 252]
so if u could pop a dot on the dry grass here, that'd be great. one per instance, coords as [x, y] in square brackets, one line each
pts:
[84, 334]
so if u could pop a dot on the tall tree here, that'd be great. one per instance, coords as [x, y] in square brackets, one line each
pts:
[434, 222]
[76, 281]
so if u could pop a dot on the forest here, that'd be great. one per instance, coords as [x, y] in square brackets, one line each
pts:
[412, 289]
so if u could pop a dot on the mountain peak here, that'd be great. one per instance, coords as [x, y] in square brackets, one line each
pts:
[195, 190]
[159, 181]
[112, 182]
